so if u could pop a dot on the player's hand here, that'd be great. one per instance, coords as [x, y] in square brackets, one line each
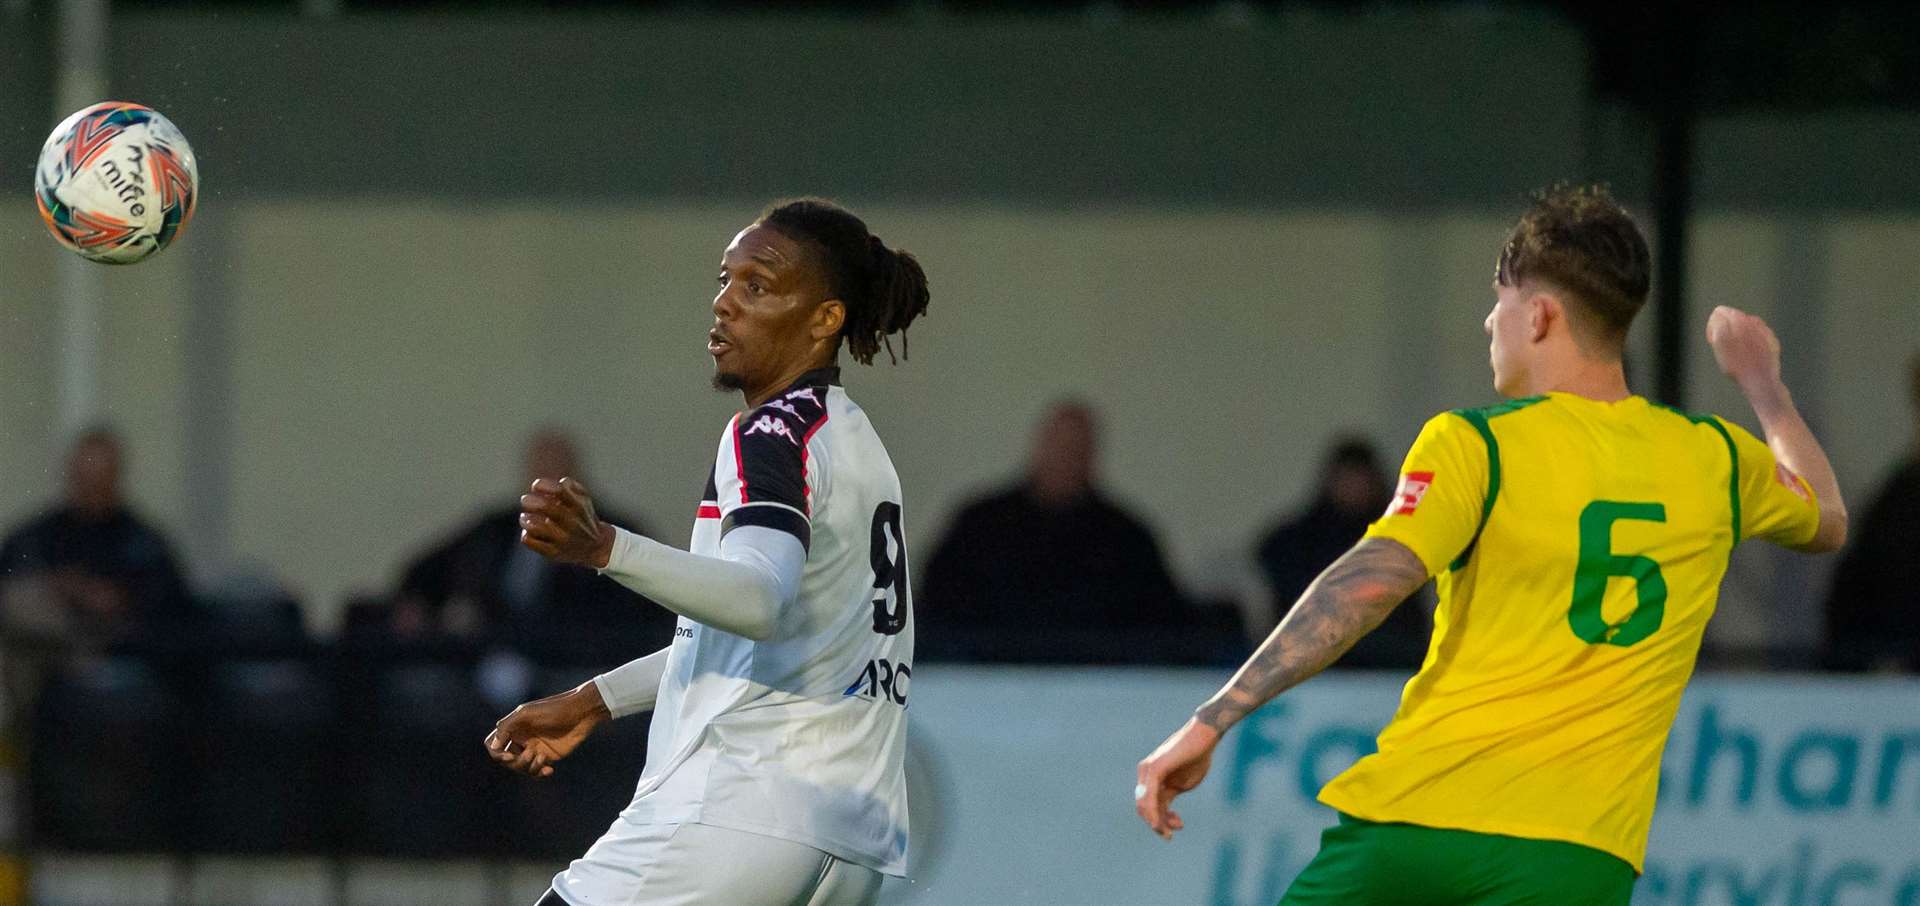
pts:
[557, 521]
[1178, 765]
[541, 732]
[1745, 347]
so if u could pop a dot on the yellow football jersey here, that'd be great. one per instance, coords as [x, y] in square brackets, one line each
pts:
[1579, 547]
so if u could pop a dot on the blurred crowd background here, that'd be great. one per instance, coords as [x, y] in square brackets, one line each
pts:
[1199, 272]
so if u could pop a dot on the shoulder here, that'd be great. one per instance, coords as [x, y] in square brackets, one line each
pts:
[143, 538]
[40, 522]
[1482, 416]
[1000, 505]
[790, 419]
[35, 527]
[1116, 515]
[1472, 429]
[1712, 428]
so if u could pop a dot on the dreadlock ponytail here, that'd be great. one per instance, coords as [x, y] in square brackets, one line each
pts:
[899, 295]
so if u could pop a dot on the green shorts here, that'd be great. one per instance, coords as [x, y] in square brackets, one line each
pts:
[1370, 864]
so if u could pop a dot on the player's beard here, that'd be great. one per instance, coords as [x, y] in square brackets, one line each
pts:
[728, 382]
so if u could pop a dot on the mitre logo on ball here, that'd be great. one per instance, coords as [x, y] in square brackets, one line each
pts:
[116, 182]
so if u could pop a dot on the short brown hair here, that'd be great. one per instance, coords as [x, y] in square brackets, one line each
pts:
[1579, 239]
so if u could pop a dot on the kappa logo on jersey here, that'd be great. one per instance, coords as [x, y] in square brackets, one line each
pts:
[1406, 498]
[783, 406]
[767, 424]
[1792, 481]
[805, 393]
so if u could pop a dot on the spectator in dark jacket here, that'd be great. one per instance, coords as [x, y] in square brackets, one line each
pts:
[90, 568]
[1052, 569]
[1873, 612]
[1354, 490]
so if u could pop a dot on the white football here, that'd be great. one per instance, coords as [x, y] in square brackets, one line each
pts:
[116, 182]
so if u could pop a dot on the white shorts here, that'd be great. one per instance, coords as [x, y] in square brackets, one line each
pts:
[701, 865]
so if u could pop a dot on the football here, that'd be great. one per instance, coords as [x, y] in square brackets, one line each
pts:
[116, 182]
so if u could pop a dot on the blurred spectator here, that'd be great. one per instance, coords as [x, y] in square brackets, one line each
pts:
[483, 586]
[1873, 611]
[1050, 569]
[89, 569]
[1354, 490]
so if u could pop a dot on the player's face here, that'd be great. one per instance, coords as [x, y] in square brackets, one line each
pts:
[1507, 327]
[764, 312]
[93, 476]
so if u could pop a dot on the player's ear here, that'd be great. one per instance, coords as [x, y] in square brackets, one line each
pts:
[1542, 311]
[828, 318]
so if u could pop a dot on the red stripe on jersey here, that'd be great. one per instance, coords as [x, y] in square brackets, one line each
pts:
[709, 511]
[806, 490]
[739, 463]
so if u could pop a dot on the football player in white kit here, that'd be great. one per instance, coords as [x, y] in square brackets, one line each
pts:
[774, 767]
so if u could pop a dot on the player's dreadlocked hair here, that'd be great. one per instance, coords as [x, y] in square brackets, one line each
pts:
[1579, 239]
[884, 289]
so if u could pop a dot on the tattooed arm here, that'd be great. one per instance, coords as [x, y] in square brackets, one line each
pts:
[1346, 602]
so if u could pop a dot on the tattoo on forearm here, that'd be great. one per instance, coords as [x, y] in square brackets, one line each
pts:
[1346, 602]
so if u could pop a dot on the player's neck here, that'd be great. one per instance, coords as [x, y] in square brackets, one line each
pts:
[1605, 381]
[756, 396]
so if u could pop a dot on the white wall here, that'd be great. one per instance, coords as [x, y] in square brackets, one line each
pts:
[388, 357]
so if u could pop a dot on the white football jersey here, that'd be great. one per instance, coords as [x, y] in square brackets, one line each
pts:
[801, 736]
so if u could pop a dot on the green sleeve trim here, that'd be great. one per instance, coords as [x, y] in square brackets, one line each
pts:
[1478, 418]
[1733, 481]
[1733, 462]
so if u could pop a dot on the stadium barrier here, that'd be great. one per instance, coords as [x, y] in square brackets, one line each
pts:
[1777, 790]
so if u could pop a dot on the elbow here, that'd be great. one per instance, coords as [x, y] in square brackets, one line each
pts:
[759, 619]
[752, 626]
[1839, 531]
[756, 627]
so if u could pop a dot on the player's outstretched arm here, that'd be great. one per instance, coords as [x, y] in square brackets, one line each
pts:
[1747, 351]
[541, 732]
[1347, 601]
[742, 591]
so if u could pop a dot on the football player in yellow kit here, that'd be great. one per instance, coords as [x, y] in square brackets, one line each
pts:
[1578, 535]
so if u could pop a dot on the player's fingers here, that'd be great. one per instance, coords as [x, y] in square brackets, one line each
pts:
[546, 486]
[538, 546]
[541, 504]
[1147, 800]
[500, 742]
[1163, 813]
[547, 771]
[1718, 324]
[507, 753]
